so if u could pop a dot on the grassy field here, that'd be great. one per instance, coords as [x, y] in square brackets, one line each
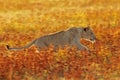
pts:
[21, 21]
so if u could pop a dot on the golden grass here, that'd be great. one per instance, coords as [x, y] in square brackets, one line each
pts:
[24, 20]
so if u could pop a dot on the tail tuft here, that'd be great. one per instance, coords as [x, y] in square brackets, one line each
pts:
[8, 47]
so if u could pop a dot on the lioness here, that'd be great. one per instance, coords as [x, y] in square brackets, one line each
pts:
[70, 37]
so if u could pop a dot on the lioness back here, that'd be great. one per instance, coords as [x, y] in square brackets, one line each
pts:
[58, 39]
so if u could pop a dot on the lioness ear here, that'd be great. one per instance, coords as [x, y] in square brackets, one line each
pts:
[87, 28]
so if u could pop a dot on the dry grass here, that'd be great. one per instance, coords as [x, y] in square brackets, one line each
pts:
[24, 20]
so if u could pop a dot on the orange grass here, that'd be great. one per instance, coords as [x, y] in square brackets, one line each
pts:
[21, 22]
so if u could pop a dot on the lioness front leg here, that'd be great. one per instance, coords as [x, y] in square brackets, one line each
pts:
[80, 46]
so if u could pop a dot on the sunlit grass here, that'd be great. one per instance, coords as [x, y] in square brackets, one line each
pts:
[24, 20]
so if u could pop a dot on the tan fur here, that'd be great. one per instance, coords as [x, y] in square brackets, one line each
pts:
[70, 37]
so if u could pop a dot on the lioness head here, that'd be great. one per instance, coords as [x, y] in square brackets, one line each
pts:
[88, 34]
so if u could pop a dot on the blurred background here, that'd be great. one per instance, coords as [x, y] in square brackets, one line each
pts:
[45, 16]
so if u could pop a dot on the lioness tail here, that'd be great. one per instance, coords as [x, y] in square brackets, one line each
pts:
[24, 47]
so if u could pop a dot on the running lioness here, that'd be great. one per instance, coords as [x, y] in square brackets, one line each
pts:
[70, 37]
